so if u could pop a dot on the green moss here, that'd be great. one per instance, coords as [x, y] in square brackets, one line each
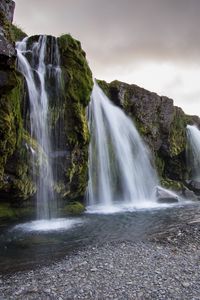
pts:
[7, 212]
[172, 184]
[10, 120]
[104, 86]
[177, 135]
[17, 33]
[74, 66]
[76, 85]
[160, 164]
[74, 208]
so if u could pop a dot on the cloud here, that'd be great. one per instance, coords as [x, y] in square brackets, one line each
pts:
[119, 30]
[128, 39]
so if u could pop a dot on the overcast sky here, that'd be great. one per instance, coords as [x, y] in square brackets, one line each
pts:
[152, 43]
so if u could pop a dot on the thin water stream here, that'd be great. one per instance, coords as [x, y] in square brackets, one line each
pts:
[38, 68]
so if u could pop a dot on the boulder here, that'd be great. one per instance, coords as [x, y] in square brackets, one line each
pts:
[194, 185]
[166, 196]
[189, 195]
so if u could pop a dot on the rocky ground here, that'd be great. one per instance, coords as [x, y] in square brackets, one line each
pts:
[166, 266]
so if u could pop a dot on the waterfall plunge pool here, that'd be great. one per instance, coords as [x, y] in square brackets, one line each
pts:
[29, 245]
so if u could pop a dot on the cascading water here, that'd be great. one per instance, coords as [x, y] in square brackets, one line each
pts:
[38, 64]
[120, 170]
[193, 151]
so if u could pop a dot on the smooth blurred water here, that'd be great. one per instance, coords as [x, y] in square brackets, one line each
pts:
[25, 246]
[193, 151]
[120, 166]
[32, 63]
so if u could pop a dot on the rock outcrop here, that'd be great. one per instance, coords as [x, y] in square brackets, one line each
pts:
[162, 125]
[15, 180]
[69, 128]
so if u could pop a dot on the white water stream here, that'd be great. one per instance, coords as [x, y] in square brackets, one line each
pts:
[193, 151]
[120, 168]
[36, 71]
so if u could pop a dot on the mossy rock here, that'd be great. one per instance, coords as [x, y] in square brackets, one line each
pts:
[172, 184]
[74, 208]
[11, 124]
[17, 33]
[9, 213]
[6, 212]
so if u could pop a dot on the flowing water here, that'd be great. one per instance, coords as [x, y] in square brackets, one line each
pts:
[193, 151]
[120, 167]
[38, 66]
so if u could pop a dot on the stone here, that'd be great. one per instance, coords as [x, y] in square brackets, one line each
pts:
[165, 196]
[188, 194]
[7, 7]
[185, 284]
[194, 185]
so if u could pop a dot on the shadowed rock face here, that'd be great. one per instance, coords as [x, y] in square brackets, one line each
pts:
[7, 7]
[162, 125]
[7, 49]
[15, 179]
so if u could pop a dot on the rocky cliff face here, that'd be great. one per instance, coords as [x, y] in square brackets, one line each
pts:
[69, 128]
[162, 125]
[15, 182]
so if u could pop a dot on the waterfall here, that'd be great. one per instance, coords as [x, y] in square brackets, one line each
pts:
[40, 64]
[193, 151]
[120, 169]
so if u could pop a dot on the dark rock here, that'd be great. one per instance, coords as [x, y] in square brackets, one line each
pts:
[167, 200]
[188, 194]
[194, 185]
[7, 8]
[7, 49]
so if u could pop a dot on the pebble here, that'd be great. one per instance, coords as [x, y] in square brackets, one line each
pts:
[161, 267]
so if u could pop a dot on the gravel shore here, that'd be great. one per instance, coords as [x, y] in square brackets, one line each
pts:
[166, 266]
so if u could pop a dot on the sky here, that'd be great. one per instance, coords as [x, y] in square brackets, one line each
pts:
[152, 43]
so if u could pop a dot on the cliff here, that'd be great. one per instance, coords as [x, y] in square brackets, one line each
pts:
[69, 128]
[162, 125]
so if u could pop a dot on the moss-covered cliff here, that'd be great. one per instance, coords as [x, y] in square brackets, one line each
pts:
[68, 128]
[15, 178]
[77, 87]
[162, 125]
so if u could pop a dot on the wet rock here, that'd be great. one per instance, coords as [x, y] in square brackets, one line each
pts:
[194, 185]
[165, 196]
[188, 194]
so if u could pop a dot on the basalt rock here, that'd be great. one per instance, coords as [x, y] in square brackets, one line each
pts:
[162, 125]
